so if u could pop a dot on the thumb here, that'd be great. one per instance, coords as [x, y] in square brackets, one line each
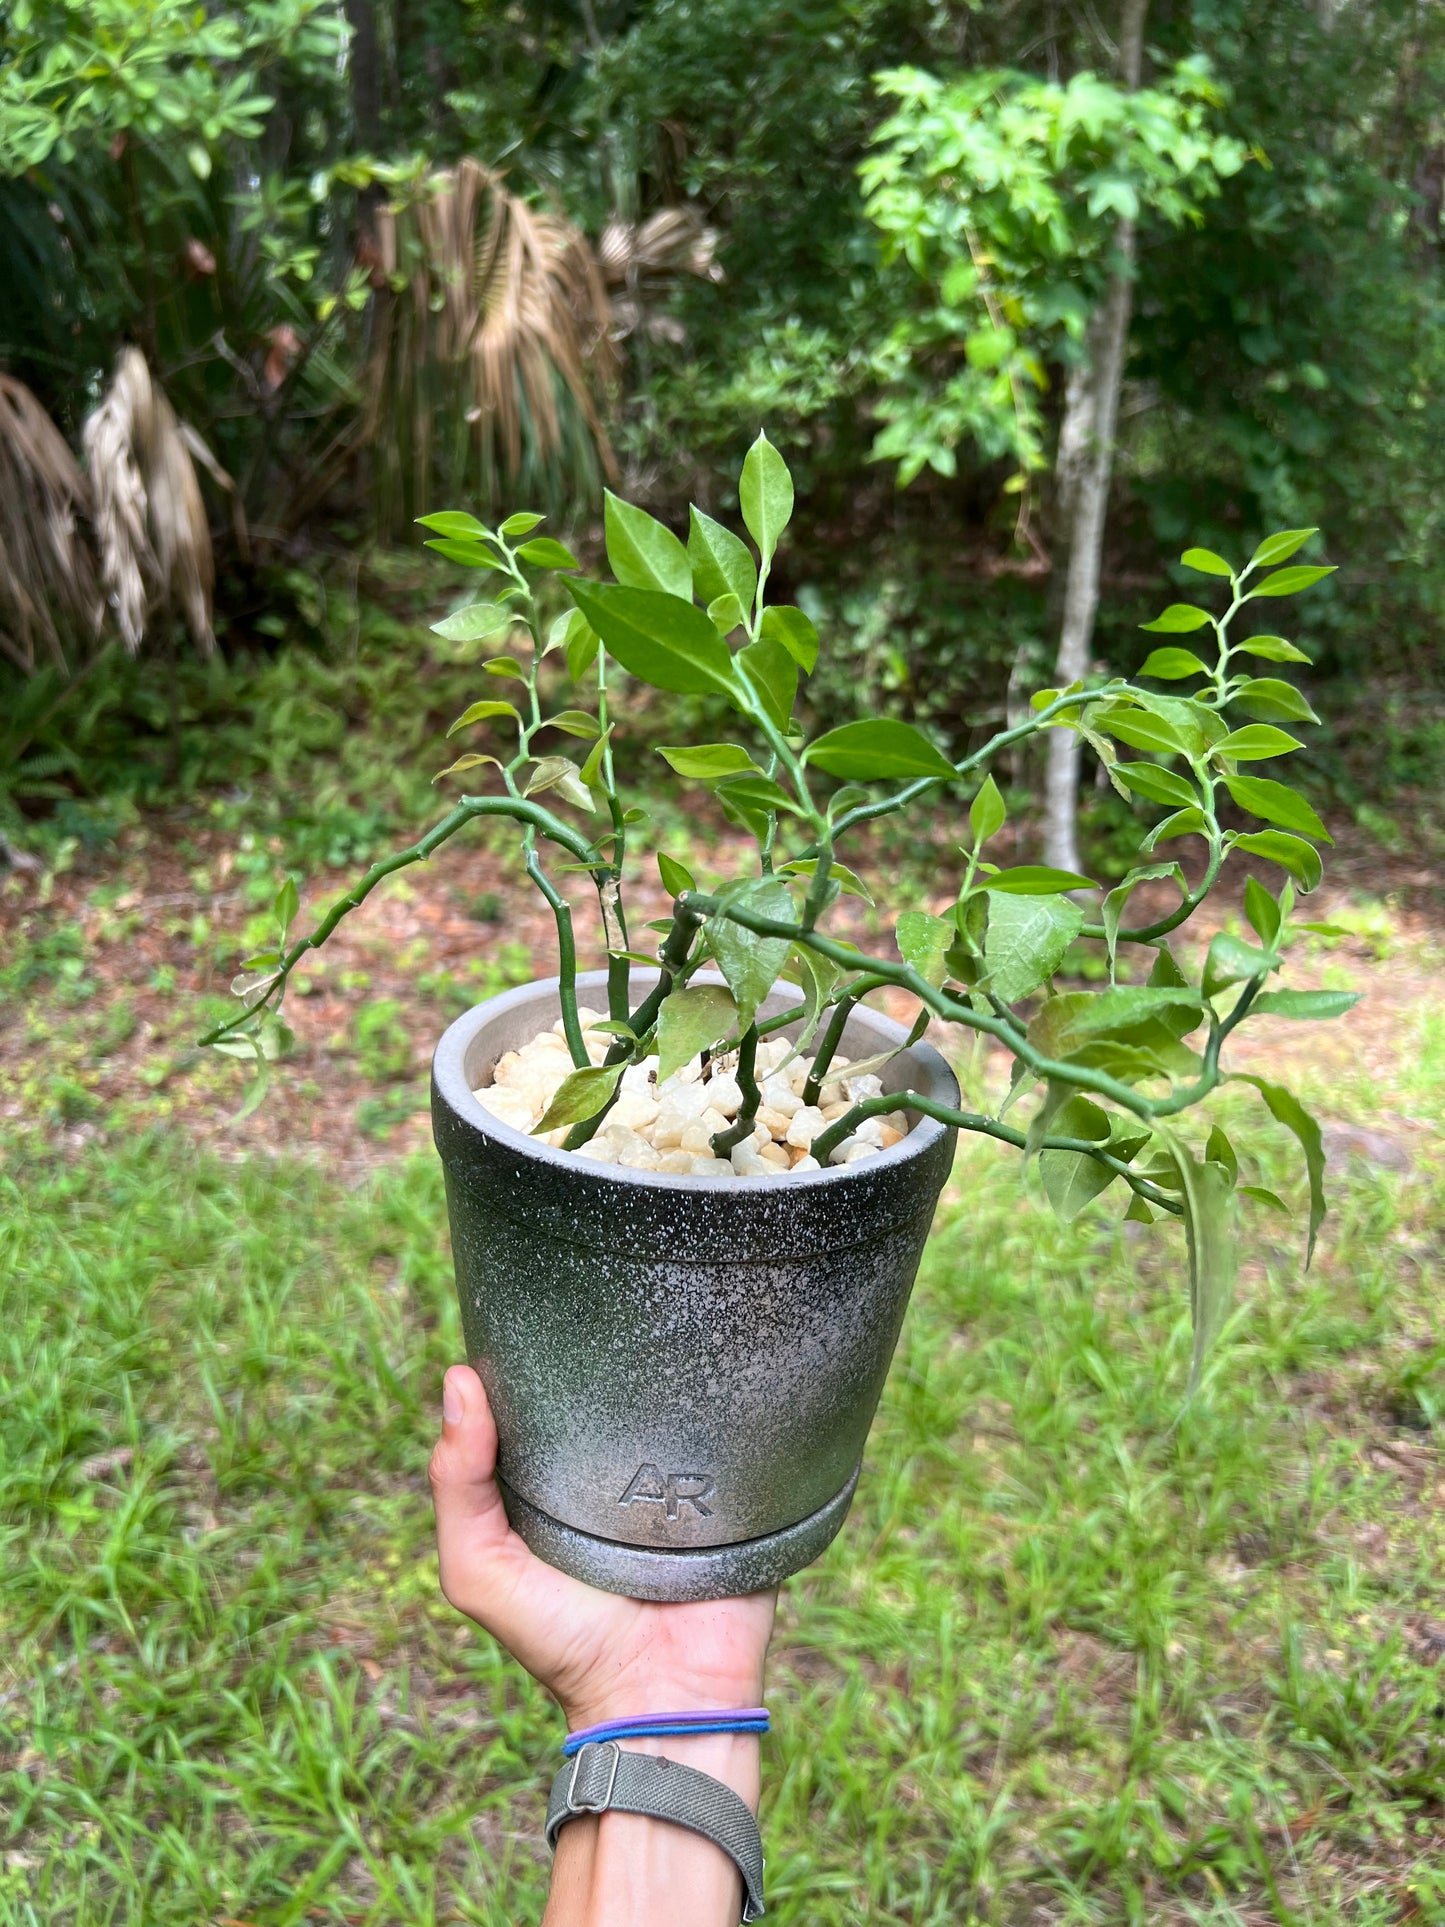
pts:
[470, 1516]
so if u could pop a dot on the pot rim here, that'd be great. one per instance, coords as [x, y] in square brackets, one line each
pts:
[450, 1080]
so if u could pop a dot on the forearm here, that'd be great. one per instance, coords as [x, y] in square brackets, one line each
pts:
[621, 1870]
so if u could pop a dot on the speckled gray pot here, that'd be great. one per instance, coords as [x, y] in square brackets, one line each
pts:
[683, 1370]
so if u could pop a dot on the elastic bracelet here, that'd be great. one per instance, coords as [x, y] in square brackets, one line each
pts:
[646, 1726]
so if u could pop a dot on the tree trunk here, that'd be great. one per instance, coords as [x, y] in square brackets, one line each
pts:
[1084, 468]
[363, 60]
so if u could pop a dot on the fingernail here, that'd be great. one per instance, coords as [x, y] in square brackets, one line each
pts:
[453, 1405]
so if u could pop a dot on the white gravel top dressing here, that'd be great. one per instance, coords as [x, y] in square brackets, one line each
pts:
[669, 1127]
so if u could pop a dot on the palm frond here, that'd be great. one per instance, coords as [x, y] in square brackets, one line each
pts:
[49, 595]
[155, 543]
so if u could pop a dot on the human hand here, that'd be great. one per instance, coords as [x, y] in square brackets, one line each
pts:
[600, 1655]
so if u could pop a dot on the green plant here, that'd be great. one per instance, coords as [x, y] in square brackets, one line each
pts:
[1112, 1069]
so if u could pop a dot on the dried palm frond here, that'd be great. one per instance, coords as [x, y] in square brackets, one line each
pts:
[511, 296]
[49, 595]
[155, 544]
[643, 258]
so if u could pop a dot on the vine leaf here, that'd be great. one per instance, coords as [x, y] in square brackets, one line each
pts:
[1072, 1178]
[1286, 1108]
[1207, 1191]
[690, 1021]
[751, 963]
[580, 1096]
[1025, 941]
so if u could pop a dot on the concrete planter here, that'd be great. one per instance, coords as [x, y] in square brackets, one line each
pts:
[683, 1370]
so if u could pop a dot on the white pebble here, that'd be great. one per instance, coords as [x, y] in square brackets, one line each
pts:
[507, 1106]
[725, 1094]
[712, 1168]
[678, 1162]
[775, 1155]
[805, 1164]
[773, 1122]
[871, 1131]
[805, 1125]
[771, 1053]
[779, 1095]
[852, 1150]
[866, 1086]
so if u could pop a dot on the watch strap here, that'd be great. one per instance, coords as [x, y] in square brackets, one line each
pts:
[602, 1778]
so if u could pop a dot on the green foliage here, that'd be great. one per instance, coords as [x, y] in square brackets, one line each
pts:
[1010, 930]
[1001, 193]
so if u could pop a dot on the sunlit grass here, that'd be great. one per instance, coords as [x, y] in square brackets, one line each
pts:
[1075, 1657]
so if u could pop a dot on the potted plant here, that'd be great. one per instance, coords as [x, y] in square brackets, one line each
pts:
[689, 1191]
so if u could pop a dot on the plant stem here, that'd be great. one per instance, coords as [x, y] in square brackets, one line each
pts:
[519, 808]
[566, 953]
[828, 1141]
[685, 926]
[724, 1141]
[833, 1037]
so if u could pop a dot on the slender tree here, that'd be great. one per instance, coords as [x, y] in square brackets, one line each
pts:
[1084, 468]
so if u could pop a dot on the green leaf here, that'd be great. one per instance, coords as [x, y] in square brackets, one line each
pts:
[772, 673]
[592, 768]
[794, 631]
[1111, 913]
[1140, 729]
[1271, 648]
[1205, 562]
[474, 623]
[751, 963]
[849, 882]
[558, 773]
[1123, 1009]
[453, 522]
[923, 942]
[579, 644]
[1291, 581]
[1035, 880]
[1263, 1196]
[1280, 547]
[465, 762]
[690, 1021]
[1172, 665]
[580, 1096]
[758, 792]
[1025, 942]
[676, 877]
[708, 762]
[659, 638]
[1271, 696]
[1072, 1178]
[544, 553]
[1138, 1212]
[1291, 853]
[505, 666]
[986, 813]
[1307, 1005]
[1256, 743]
[877, 751]
[1263, 912]
[1231, 961]
[818, 979]
[644, 554]
[479, 713]
[1219, 1148]
[471, 555]
[1286, 1108]
[1178, 619]
[765, 494]
[726, 613]
[576, 722]
[1276, 803]
[1209, 1224]
[1159, 785]
[1182, 823]
[522, 523]
[288, 902]
[721, 564]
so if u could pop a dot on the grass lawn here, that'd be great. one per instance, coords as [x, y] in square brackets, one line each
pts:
[1070, 1660]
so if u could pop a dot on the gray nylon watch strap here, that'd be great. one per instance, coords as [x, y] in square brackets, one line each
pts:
[602, 1778]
